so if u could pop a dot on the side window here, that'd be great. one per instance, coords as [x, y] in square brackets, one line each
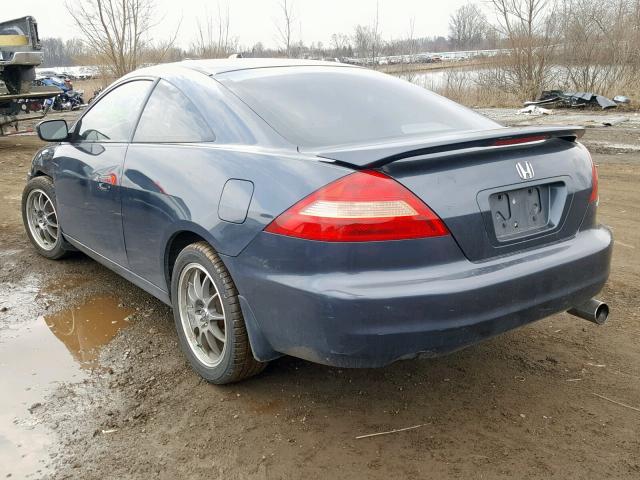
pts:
[113, 117]
[170, 117]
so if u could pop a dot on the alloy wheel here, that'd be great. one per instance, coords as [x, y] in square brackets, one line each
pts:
[42, 219]
[202, 314]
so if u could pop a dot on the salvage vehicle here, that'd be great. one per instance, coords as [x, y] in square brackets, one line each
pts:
[320, 210]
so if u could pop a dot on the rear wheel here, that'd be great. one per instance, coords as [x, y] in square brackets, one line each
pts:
[40, 217]
[208, 319]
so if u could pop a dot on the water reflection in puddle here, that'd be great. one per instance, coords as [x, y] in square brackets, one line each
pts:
[86, 328]
[35, 356]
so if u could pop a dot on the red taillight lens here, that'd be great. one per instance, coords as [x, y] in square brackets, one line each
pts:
[362, 207]
[516, 141]
[594, 183]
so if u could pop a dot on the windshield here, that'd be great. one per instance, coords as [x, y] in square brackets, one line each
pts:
[316, 106]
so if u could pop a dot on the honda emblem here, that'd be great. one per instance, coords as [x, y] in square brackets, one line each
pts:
[525, 170]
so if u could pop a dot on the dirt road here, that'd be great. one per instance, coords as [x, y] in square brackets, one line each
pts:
[535, 403]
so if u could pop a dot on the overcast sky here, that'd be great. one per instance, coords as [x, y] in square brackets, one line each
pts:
[254, 20]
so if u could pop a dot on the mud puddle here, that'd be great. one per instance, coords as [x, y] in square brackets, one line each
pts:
[37, 353]
[84, 329]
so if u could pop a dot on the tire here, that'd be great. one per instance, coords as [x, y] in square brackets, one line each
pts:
[46, 238]
[202, 291]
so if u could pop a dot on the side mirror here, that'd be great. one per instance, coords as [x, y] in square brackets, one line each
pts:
[53, 130]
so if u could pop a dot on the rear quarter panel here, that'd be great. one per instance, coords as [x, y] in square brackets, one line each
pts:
[172, 188]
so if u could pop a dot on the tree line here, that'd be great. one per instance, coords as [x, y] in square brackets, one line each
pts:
[118, 35]
[582, 44]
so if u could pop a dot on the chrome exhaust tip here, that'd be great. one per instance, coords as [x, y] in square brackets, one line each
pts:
[593, 310]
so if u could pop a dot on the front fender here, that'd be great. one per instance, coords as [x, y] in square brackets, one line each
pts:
[43, 163]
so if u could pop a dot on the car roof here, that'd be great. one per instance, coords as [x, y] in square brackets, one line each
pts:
[223, 65]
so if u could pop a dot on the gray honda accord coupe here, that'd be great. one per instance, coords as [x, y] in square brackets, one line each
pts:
[320, 210]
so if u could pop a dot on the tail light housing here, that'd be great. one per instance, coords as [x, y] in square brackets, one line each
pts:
[364, 206]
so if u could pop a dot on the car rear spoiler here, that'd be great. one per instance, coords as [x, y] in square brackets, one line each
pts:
[379, 154]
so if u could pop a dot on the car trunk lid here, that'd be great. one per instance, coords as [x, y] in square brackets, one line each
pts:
[498, 191]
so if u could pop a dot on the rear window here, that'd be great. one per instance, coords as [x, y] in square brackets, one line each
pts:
[317, 106]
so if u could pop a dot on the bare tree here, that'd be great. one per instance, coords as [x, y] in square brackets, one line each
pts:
[214, 39]
[375, 35]
[367, 40]
[340, 42]
[258, 50]
[361, 40]
[116, 30]
[530, 32]
[164, 51]
[75, 49]
[54, 53]
[467, 27]
[412, 45]
[598, 48]
[407, 46]
[285, 29]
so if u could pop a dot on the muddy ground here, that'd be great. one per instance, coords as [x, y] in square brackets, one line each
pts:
[92, 384]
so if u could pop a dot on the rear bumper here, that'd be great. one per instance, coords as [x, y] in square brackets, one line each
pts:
[418, 300]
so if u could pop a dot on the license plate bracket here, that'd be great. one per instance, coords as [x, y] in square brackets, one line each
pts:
[520, 212]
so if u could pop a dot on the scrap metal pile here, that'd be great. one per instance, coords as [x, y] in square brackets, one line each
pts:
[558, 98]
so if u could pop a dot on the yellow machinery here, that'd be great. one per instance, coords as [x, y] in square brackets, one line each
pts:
[20, 53]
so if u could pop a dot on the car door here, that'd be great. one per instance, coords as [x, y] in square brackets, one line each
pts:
[89, 169]
[159, 166]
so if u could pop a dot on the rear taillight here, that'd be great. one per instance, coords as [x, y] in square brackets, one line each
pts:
[361, 207]
[594, 183]
[503, 142]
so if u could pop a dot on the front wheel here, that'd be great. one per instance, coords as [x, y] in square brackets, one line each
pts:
[40, 218]
[208, 319]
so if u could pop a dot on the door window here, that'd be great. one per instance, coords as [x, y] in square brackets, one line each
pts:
[170, 117]
[113, 117]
